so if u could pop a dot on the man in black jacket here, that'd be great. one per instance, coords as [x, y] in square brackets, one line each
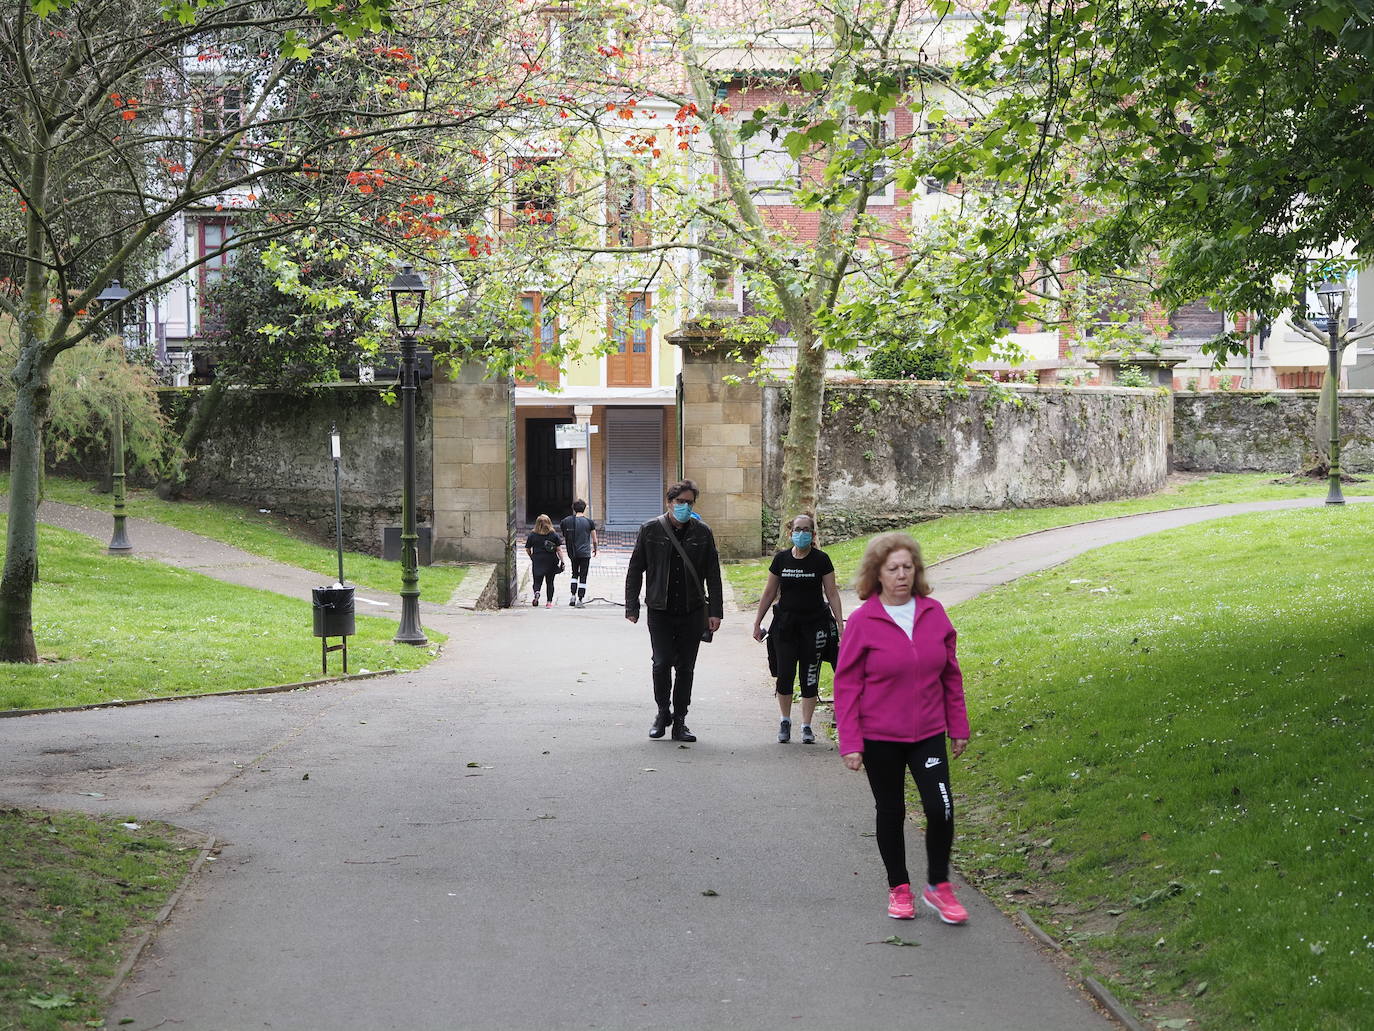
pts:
[683, 602]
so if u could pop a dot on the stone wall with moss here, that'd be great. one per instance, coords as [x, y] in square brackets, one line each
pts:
[272, 451]
[1267, 431]
[891, 451]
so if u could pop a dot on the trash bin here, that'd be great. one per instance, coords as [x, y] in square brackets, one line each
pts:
[333, 611]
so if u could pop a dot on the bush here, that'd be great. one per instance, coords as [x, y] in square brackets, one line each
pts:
[1132, 376]
[927, 361]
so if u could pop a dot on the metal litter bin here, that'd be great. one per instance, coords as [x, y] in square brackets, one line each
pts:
[333, 618]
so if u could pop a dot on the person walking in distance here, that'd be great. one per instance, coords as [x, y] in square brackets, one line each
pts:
[802, 580]
[579, 536]
[899, 695]
[675, 560]
[546, 557]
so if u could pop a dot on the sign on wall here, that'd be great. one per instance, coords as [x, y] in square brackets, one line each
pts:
[570, 435]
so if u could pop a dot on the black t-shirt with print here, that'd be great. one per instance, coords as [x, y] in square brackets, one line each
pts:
[799, 580]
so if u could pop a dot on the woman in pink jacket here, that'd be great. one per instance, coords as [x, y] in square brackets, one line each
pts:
[898, 695]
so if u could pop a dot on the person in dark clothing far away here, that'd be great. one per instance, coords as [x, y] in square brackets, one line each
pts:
[683, 599]
[546, 557]
[579, 536]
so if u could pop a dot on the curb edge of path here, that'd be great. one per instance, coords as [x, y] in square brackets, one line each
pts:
[1099, 992]
[158, 921]
[125, 703]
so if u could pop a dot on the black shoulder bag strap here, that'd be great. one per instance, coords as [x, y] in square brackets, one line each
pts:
[686, 562]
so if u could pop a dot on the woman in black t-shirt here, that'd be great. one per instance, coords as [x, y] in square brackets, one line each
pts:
[802, 579]
[545, 549]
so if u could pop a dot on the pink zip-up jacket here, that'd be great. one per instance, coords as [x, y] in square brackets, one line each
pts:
[889, 687]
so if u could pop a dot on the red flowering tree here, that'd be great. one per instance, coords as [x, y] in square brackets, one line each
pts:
[309, 119]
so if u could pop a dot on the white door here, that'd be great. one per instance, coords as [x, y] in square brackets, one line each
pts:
[634, 466]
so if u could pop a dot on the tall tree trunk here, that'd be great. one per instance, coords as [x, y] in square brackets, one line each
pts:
[21, 545]
[800, 448]
[1319, 460]
[202, 417]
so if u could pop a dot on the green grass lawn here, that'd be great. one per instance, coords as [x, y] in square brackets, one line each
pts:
[75, 891]
[122, 628]
[957, 532]
[1176, 774]
[256, 532]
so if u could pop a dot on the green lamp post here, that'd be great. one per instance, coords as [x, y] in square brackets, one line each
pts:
[407, 292]
[119, 541]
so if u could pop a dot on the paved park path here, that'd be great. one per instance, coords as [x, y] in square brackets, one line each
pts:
[493, 842]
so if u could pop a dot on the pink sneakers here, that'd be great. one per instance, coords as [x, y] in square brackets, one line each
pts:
[900, 904]
[940, 897]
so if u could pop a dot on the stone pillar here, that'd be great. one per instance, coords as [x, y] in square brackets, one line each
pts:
[582, 456]
[722, 434]
[474, 470]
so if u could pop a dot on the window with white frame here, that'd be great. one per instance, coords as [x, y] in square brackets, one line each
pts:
[768, 168]
[873, 133]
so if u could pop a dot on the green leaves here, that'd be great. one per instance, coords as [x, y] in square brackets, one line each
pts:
[56, 1001]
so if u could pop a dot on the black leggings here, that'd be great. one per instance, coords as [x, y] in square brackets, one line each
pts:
[580, 565]
[547, 578]
[797, 645]
[886, 763]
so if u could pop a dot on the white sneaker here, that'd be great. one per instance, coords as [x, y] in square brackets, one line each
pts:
[581, 603]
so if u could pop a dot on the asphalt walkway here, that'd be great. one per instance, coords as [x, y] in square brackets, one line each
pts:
[493, 842]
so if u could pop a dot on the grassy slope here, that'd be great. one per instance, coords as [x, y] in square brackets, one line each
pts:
[1180, 771]
[256, 532]
[74, 891]
[120, 628]
[958, 532]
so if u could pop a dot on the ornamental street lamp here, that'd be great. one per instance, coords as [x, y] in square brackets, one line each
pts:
[407, 292]
[119, 541]
[1332, 297]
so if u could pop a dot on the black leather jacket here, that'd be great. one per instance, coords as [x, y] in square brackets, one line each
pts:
[650, 561]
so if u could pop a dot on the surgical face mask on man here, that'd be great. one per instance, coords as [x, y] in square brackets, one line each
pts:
[682, 511]
[801, 539]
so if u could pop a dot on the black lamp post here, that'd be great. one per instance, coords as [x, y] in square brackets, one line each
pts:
[119, 541]
[1332, 297]
[407, 292]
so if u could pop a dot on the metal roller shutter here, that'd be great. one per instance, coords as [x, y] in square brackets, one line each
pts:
[634, 466]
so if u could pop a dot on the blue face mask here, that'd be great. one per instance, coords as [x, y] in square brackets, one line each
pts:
[801, 539]
[682, 511]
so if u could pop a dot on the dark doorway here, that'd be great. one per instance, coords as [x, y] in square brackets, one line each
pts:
[548, 472]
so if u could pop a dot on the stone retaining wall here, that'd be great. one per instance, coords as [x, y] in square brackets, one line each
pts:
[892, 450]
[272, 451]
[1267, 431]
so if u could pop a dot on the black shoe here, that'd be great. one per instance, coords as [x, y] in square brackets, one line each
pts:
[808, 735]
[784, 730]
[661, 722]
[681, 733]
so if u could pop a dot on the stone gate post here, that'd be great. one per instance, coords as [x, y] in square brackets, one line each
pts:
[474, 471]
[722, 434]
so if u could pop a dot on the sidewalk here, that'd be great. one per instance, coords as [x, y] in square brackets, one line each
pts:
[493, 842]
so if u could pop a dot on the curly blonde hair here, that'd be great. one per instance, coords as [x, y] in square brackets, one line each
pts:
[543, 525]
[866, 581]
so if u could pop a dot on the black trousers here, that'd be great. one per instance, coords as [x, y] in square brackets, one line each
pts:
[580, 565]
[886, 763]
[675, 639]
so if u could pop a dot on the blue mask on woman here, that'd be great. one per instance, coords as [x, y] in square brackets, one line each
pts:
[801, 539]
[682, 511]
